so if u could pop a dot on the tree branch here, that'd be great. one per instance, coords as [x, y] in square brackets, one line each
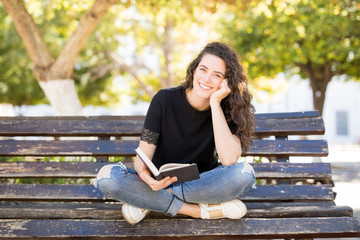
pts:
[64, 65]
[30, 34]
[100, 71]
[130, 70]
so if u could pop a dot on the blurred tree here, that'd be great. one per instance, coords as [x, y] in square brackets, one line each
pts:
[55, 76]
[316, 39]
[157, 28]
[164, 37]
[17, 82]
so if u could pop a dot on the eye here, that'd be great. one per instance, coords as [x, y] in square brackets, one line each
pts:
[202, 69]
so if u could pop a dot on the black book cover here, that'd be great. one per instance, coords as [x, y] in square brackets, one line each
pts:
[184, 172]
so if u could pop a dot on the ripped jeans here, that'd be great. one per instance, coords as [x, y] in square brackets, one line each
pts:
[218, 185]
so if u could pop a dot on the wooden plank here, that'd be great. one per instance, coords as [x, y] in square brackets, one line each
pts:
[266, 148]
[89, 193]
[90, 169]
[292, 126]
[290, 192]
[286, 148]
[71, 126]
[26, 210]
[246, 228]
[132, 126]
[51, 169]
[68, 148]
[304, 114]
[292, 170]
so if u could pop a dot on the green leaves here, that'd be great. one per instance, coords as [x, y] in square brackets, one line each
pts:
[275, 34]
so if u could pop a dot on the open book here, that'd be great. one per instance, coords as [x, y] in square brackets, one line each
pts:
[183, 171]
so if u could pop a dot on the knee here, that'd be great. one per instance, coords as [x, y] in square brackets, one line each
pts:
[104, 172]
[245, 174]
[248, 169]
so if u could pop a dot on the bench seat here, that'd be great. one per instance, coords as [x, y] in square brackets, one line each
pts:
[47, 163]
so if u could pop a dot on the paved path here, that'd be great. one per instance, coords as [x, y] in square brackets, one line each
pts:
[345, 164]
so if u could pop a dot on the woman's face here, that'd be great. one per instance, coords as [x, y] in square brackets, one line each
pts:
[208, 75]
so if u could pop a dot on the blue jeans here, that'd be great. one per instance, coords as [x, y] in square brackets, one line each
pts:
[218, 185]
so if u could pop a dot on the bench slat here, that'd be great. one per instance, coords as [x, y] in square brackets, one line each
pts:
[71, 126]
[183, 228]
[297, 123]
[285, 127]
[88, 192]
[90, 169]
[265, 148]
[26, 210]
[288, 115]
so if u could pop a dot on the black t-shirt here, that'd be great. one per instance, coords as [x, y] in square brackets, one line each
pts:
[181, 133]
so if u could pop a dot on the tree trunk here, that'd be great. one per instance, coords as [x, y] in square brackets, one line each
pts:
[319, 76]
[62, 96]
[55, 76]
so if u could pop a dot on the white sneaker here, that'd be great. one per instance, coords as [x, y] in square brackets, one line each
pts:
[133, 214]
[234, 209]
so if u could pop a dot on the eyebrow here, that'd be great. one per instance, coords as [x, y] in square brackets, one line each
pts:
[214, 71]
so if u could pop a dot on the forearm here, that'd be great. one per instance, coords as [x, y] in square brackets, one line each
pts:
[227, 145]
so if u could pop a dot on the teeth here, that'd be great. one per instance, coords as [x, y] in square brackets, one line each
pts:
[205, 87]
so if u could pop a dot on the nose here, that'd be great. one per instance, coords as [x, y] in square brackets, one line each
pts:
[207, 77]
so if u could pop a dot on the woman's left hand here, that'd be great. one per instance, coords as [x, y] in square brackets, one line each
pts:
[221, 93]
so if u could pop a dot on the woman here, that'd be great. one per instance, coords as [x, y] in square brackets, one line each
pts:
[209, 118]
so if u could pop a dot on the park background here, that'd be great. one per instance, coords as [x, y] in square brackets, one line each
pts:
[58, 59]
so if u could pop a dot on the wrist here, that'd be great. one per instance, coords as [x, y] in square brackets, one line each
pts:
[214, 103]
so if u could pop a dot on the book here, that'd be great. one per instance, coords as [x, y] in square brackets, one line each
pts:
[183, 171]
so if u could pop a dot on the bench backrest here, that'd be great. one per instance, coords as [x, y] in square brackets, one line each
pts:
[98, 138]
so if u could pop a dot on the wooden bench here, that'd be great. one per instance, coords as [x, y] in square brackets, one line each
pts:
[53, 199]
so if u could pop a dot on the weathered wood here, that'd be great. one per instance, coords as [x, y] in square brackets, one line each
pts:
[71, 126]
[287, 115]
[292, 170]
[51, 211]
[266, 125]
[266, 148]
[247, 228]
[89, 169]
[285, 127]
[35, 210]
[80, 192]
[68, 148]
[286, 148]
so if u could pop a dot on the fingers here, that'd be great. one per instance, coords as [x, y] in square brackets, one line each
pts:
[225, 87]
[224, 90]
[163, 183]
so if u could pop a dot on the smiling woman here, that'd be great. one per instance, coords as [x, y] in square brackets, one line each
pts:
[206, 120]
[207, 79]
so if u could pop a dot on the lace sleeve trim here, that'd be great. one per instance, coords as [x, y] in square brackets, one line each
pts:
[150, 136]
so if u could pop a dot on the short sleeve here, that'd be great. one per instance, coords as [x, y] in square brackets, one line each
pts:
[152, 125]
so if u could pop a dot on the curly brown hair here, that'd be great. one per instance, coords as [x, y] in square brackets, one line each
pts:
[237, 107]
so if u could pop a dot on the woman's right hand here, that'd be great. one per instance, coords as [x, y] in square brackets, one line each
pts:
[144, 172]
[154, 184]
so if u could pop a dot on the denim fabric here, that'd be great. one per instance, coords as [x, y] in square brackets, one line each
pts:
[221, 184]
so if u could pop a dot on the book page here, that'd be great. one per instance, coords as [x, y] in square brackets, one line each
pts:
[170, 166]
[147, 162]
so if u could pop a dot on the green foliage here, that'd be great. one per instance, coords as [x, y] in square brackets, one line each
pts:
[276, 36]
[155, 37]
[17, 82]
[56, 21]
